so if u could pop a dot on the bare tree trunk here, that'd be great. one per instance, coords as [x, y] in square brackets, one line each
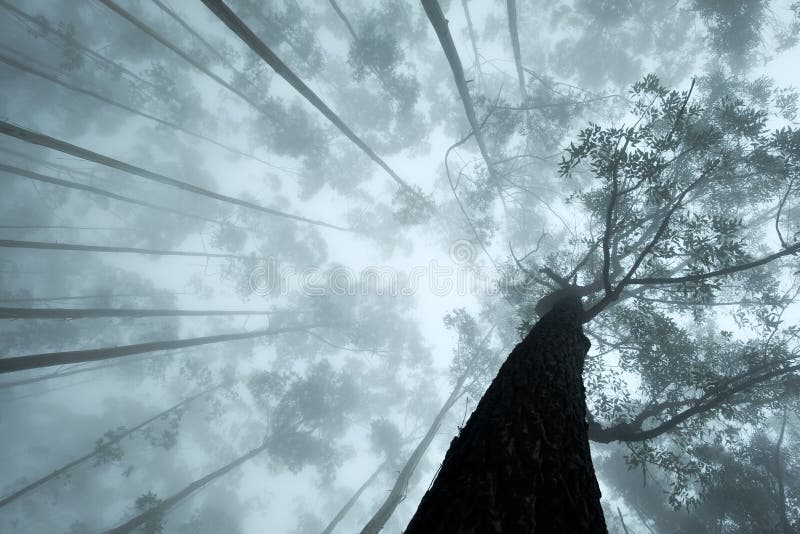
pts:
[40, 245]
[522, 462]
[102, 443]
[785, 524]
[85, 313]
[70, 41]
[439, 24]
[513, 31]
[86, 297]
[158, 511]
[344, 19]
[473, 39]
[108, 194]
[49, 359]
[46, 141]
[26, 67]
[75, 370]
[238, 27]
[211, 48]
[398, 492]
[113, 6]
[352, 501]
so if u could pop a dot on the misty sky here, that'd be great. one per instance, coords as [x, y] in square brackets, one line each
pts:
[364, 273]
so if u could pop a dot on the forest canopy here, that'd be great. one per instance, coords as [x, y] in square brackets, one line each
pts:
[262, 262]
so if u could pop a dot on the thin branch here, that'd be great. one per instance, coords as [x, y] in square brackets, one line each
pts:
[794, 249]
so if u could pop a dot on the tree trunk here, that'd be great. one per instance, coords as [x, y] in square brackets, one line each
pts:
[238, 27]
[35, 138]
[522, 462]
[93, 313]
[158, 511]
[42, 245]
[10, 169]
[49, 359]
[511, 6]
[352, 501]
[113, 6]
[473, 40]
[70, 42]
[440, 26]
[103, 443]
[26, 67]
[398, 492]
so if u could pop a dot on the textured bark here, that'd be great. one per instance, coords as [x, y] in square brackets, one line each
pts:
[522, 462]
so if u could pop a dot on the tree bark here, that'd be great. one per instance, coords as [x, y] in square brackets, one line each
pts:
[522, 463]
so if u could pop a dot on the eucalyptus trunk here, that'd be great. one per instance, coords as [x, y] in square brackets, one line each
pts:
[522, 463]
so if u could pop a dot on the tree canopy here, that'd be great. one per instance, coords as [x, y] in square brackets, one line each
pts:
[259, 261]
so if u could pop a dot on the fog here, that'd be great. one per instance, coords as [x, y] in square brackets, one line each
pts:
[261, 260]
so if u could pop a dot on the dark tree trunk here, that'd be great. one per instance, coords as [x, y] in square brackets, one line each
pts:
[522, 462]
